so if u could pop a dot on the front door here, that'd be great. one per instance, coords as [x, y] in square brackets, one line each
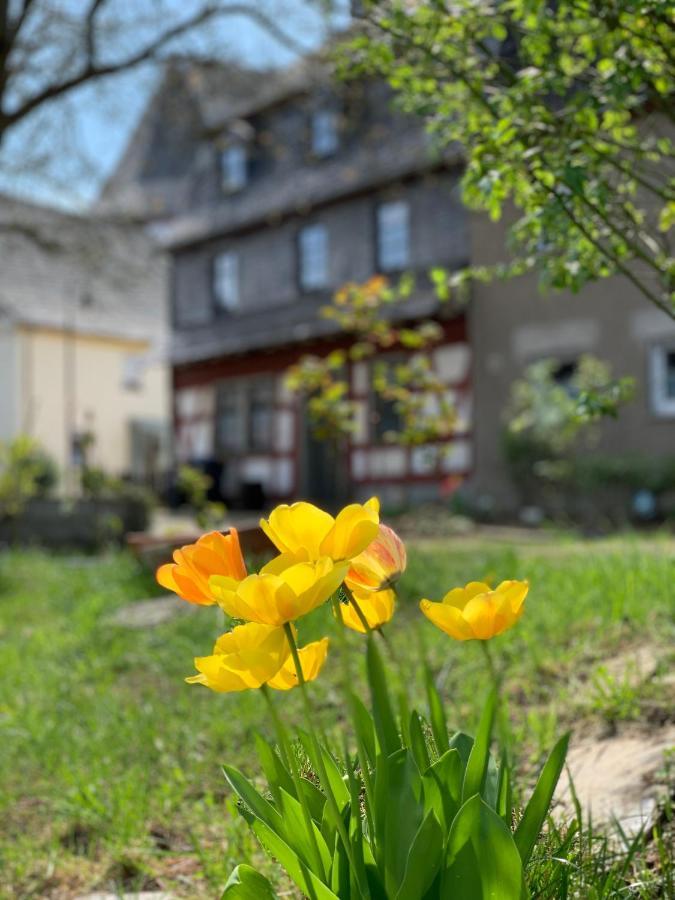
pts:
[323, 468]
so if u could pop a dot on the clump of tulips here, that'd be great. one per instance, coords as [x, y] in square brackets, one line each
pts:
[414, 812]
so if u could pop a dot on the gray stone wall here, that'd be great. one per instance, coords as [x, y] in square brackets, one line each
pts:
[269, 257]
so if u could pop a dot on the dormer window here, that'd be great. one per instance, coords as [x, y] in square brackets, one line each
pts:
[226, 281]
[233, 168]
[325, 137]
[393, 236]
[662, 380]
[313, 250]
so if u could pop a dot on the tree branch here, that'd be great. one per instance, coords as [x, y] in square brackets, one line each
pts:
[92, 71]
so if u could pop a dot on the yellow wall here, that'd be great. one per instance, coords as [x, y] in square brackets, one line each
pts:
[74, 382]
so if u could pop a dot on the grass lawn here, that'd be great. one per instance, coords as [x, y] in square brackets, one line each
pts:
[109, 763]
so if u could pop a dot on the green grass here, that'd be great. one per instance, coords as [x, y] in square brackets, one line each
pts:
[110, 764]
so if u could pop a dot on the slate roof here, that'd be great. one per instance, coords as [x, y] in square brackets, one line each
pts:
[65, 271]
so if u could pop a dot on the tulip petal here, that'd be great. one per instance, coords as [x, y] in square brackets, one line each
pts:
[298, 529]
[456, 597]
[448, 618]
[479, 612]
[312, 658]
[377, 607]
[355, 527]
[473, 588]
[164, 576]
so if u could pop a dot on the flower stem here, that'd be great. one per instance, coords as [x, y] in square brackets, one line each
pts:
[291, 762]
[357, 609]
[346, 687]
[487, 653]
[323, 774]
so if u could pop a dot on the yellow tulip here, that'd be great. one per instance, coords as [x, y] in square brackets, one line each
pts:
[312, 657]
[246, 657]
[278, 595]
[380, 565]
[476, 612]
[213, 554]
[303, 532]
[376, 606]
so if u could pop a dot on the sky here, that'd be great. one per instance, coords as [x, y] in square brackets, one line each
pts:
[61, 156]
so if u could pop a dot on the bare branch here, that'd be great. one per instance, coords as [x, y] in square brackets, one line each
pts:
[92, 70]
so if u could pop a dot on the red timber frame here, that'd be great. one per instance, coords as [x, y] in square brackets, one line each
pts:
[209, 373]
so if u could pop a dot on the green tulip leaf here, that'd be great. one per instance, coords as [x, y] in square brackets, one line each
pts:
[260, 807]
[439, 727]
[442, 784]
[276, 773]
[399, 811]
[483, 862]
[364, 728]
[385, 723]
[246, 884]
[424, 860]
[297, 837]
[477, 766]
[418, 744]
[276, 847]
[538, 806]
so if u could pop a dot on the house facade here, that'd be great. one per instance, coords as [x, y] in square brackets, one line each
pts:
[83, 341]
[270, 191]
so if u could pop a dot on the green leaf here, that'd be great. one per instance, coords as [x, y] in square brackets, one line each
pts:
[385, 723]
[296, 835]
[418, 744]
[476, 768]
[276, 773]
[336, 782]
[504, 793]
[260, 807]
[463, 744]
[483, 862]
[442, 785]
[314, 798]
[364, 727]
[439, 728]
[308, 883]
[538, 806]
[424, 860]
[397, 816]
[246, 884]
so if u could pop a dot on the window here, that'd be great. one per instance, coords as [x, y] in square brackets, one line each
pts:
[324, 132]
[226, 280]
[132, 372]
[313, 248]
[386, 416]
[662, 380]
[230, 418]
[564, 375]
[393, 236]
[244, 415]
[233, 168]
[260, 414]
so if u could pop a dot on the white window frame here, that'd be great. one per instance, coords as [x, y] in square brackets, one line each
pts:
[325, 132]
[313, 257]
[226, 281]
[233, 168]
[393, 236]
[662, 403]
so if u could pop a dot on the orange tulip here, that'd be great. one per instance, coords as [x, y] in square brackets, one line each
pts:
[213, 554]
